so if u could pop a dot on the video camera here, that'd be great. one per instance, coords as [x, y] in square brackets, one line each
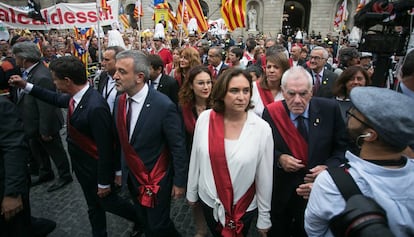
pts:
[385, 26]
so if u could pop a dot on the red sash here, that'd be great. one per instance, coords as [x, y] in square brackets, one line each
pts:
[233, 224]
[84, 142]
[263, 59]
[189, 119]
[265, 94]
[177, 77]
[149, 181]
[296, 143]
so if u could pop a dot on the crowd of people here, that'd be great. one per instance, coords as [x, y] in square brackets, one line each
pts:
[245, 130]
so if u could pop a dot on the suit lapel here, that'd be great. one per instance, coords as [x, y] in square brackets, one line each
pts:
[143, 115]
[314, 120]
[161, 83]
[82, 104]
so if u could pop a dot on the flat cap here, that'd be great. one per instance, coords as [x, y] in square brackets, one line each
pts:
[390, 113]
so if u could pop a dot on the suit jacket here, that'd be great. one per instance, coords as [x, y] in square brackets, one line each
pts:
[327, 84]
[169, 87]
[326, 145]
[38, 116]
[159, 124]
[103, 81]
[93, 119]
[13, 151]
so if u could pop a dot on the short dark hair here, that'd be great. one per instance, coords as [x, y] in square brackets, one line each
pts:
[71, 67]
[115, 48]
[237, 51]
[256, 69]
[156, 62]
[221, 86]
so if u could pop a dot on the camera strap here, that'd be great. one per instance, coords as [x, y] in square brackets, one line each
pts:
[344, 181]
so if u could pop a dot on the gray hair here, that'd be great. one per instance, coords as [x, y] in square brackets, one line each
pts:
[296, 73]
[27, 50]
[141, 63]
[325, 53]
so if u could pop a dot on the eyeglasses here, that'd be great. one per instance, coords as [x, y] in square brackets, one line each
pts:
[350, 114]
[316, 58]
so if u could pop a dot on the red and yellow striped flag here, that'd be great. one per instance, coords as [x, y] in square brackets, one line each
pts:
[138, 9]
[195, 11]
[103, 5]
[234, 13]
[171, 16]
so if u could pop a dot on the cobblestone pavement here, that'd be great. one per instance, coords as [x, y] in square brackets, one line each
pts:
[67, 207]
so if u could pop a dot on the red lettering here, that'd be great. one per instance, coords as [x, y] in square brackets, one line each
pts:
[53, 19]
[81, 17]
[21, 18]
[12, 18]
[4, 15]
[59, 11]
[92, 16]
[69, 17]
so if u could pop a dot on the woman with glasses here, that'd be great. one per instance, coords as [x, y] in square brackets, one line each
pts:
[194, 98]
[189, 58]
[352, 77]
[268, 90]
[232, 160]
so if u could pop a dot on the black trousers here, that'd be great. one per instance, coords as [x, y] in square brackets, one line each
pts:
[20, 224]
[156, 222]
[288, 220]
[213, 225]
[42, 150]
[98, 206]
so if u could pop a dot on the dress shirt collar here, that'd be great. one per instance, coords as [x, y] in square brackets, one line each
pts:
[157, 80]
[406, 91]
[30, 68]
[305, 114]
[141, 95]
[78, 96]
[219, 66]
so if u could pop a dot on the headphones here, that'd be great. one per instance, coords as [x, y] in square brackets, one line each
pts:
[366, 135]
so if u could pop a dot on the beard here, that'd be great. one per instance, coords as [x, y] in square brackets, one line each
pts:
[354, 136]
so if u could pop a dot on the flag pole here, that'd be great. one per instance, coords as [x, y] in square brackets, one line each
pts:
[98, 31]
[182, 22]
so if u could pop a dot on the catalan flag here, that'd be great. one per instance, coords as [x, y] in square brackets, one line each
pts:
[103, 5]
[182, 15]
[81, 53]
[195, 11]
[234, 13]
[123, 18]
[83, 33]
[138, 9]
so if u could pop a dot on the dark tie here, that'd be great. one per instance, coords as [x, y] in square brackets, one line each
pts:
[302, 127]
[317, 83]
[129, 114]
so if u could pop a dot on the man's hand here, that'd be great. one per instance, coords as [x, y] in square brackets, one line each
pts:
[118, 180]
[304, 190]
[315, 171]
[103, 192]
[17, 81]
[10, 206]
[46, 138]
[177, 192]
[290, 163]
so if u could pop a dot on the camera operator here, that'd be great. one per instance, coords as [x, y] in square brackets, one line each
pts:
[381, 171]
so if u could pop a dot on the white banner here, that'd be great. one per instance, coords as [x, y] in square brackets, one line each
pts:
[59, 16]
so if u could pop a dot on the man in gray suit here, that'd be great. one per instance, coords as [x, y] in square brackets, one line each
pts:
[42, 121]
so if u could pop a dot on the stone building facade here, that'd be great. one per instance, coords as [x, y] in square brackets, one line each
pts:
[273, 16]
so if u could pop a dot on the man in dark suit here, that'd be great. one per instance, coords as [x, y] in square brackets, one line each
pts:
[106, 84]
[215, 61]
[309, 135]
[42, 121]
[14, 191]
[152, 138]
[323, 80]
[91, 139]
[161, 82]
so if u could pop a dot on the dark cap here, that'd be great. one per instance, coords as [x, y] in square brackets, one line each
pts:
[390, 113]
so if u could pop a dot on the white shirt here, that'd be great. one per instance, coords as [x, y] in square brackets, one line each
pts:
[250, 159]
[257, 100]
[78, 96]
[139, 99]
[155, 83]
[392, 189]
[109, 93]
